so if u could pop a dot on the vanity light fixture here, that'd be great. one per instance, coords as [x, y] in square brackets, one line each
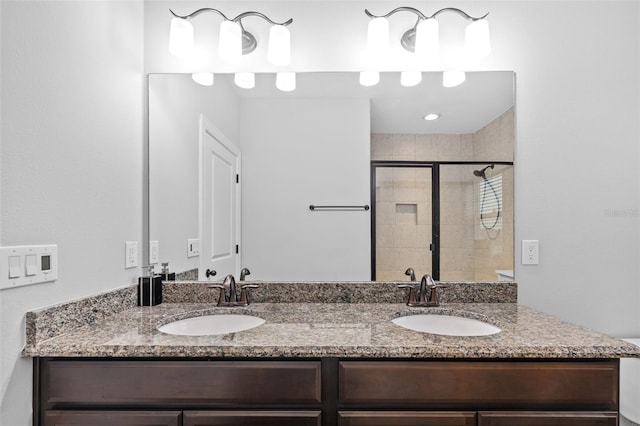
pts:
[453, 78]
[410, 78]
[369, 78]
[286, 81]
[234, 41]
[422, 38]
[245, 80]
[431, 116]
[203, 78]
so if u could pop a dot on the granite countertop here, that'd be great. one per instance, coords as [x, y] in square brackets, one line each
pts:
[304, 329]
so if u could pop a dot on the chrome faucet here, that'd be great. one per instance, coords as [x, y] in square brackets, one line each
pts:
[233, 299]
[411, 273]
[420, 299]
[243, 273]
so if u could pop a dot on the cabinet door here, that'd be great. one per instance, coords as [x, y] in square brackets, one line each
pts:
[251, 418]
[178, 384]
[527, 385]
[515, 418]
[112, 418]
[405, 418]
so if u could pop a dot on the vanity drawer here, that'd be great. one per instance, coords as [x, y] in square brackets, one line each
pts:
[112, 418]
[523, 384]
[406, 418]
[537, 418]
[166, 384]
[252, 418]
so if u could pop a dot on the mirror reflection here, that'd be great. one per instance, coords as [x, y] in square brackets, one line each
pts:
[232, 173]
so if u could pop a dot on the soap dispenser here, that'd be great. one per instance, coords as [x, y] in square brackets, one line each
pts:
[150, 288]
[165, 274]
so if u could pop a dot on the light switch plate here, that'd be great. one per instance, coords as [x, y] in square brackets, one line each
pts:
[26, 265]
[130, 254]
[154, 252]
[193, 247]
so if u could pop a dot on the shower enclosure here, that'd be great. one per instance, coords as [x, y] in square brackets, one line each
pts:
[453, 220]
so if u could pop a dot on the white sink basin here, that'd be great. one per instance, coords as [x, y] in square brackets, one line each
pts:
[212, 325]
[447, 325]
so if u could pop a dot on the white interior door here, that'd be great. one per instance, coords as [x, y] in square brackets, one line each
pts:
[219, 204]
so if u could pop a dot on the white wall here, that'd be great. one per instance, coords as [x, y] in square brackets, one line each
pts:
[71, 158]
[175, 105]
[577, 95]
[298, 152]
[72, 142]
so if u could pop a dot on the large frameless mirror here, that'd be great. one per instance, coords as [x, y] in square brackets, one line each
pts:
[233, 173]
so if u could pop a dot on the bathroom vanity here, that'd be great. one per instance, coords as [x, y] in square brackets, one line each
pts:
[323, 364]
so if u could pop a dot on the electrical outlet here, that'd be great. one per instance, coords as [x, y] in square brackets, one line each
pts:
[154, 252]
[530, 252]
[130, 254]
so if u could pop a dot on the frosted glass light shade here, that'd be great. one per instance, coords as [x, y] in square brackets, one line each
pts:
[378, 35]
[245, 80]
[286, 81]
[230, 41]
[453, 78]
[180, 37]
[427, 38]
[279, 49]
[369, 78]
[477, 40]
[203, 78]
[410, 78]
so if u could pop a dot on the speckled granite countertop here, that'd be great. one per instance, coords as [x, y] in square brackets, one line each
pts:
[332, 330]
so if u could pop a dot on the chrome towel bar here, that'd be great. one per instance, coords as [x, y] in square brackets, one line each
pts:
[314, 208]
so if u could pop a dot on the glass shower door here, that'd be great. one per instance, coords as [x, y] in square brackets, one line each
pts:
[403, 221]
[476, 222]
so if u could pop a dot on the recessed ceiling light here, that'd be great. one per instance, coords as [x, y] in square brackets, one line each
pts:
[431, 117]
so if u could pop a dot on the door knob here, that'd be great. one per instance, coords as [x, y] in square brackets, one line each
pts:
[211, 273]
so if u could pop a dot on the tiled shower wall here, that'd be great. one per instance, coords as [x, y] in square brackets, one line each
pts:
[403, 209]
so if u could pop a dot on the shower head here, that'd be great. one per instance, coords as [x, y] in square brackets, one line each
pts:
[480, 173]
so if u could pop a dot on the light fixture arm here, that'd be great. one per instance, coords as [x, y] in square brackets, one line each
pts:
[396, 10]
[199, 11]
[459, 12]
[263, 16]
[423, 16]
[236, 19]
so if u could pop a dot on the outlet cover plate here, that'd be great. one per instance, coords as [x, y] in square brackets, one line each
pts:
[530, 252]
[130, 254]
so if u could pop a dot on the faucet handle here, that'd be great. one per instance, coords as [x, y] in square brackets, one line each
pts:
[244, 294]
[412, 292]
[433, 296]
[221, 298]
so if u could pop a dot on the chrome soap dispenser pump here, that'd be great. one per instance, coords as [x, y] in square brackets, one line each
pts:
[150, 288]
[165, 274]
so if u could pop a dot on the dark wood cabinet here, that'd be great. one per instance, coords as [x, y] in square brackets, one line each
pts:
[497, 384]
[252, 418]
[573, 418]
[324, 392]
[405, 418]
[168, 384]
[112, 418]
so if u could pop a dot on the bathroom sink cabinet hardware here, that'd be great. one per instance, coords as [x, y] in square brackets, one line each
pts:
[325, 392]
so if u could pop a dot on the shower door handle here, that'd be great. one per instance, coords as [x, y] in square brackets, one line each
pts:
[431, 247]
